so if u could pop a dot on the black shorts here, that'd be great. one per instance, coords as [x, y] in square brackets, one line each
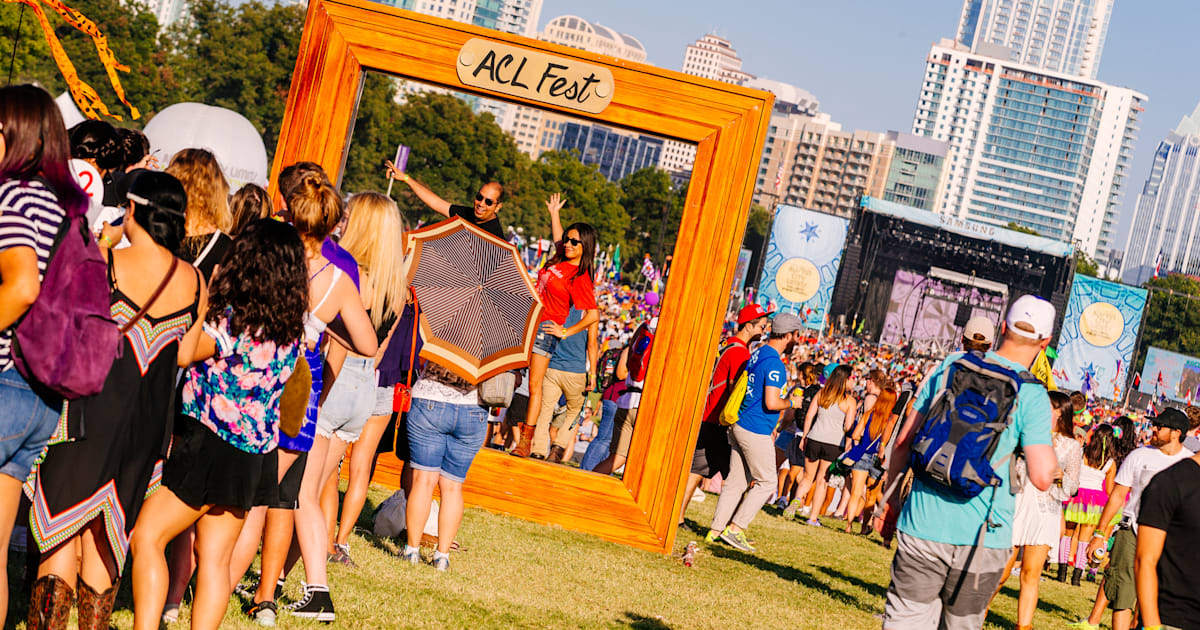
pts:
[204, 469]
[712, 451]
[821, 451]
[518, 410]
[795, 456]
[286, 493]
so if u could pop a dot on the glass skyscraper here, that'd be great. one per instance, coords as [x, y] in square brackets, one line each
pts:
[1166, 223]
[1064, 36]
[1045, 150]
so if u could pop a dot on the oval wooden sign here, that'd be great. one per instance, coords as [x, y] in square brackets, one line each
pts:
[535, 75]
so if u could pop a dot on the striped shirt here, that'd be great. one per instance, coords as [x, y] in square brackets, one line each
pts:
[29, 217]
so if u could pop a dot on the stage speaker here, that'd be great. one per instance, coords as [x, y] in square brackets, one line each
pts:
[963, 314]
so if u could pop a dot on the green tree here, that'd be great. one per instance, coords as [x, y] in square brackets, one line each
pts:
[240, 58]
[590, 198]
[1172, 319]
[655, 212]
[1085, 264]
[1017, 227]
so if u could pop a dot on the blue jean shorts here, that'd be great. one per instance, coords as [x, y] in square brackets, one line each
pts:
[26, 421]
[544, 343]
[444, 437]
[350, 401]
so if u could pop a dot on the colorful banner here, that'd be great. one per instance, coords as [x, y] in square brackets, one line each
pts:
[1099, 333]
[802, 262]
[740, 271]
[1172, 375]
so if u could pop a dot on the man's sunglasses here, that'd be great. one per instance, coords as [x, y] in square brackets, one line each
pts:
[573, 241]
[485, 200]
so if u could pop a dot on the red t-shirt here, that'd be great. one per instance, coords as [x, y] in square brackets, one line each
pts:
[560, 288]
[728, 365]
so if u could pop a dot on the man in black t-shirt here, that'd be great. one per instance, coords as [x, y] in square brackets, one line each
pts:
[1168, 550]
[482, 213]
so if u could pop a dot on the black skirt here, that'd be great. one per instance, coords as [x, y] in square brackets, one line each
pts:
[203, 469]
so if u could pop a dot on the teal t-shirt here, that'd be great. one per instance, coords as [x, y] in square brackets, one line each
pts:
[941, 516]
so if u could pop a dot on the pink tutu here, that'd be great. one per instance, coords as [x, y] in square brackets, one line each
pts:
[1086, 506]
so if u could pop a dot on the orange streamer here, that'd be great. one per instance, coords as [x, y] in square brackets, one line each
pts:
[85, 96]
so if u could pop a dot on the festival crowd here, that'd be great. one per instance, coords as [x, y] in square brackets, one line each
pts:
[186, 372]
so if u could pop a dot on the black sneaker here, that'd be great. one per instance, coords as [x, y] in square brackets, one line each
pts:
[316, 604]
[263, 613]
[248, 591]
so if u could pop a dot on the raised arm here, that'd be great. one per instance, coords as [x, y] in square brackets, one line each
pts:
[554, 204]
[428, 197]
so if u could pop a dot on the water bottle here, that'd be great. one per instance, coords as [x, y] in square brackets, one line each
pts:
[689, 555]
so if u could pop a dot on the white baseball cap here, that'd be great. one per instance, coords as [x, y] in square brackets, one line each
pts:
[1034, 312]
[980, 328]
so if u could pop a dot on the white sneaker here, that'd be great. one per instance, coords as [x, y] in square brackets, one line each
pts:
[806, 511]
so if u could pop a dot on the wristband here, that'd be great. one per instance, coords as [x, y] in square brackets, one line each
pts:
[1098, 535]
[1158, 627]
[106, 241]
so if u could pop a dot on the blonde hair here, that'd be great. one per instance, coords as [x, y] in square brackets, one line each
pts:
[375, 237]
[207, 190]
[316, 207]
[249, 204]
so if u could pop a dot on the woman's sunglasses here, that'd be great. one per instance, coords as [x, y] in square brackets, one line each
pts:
[574, 241]
[485, 200]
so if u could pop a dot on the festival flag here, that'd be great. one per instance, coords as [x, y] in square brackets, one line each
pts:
[1158, 263]
[1043, 372]
[1137, 380]
[616, 259]
[648, 269]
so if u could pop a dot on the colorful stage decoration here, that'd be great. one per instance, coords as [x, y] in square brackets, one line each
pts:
[1170, 376]
[802, 261]
[923, 309]
[84, 95]
[1098, 337]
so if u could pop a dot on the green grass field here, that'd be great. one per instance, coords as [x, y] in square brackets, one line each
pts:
[515, 574]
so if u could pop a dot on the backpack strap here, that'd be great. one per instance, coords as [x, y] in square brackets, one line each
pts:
[153, 297]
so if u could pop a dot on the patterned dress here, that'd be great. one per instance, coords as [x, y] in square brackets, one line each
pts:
[106, 456]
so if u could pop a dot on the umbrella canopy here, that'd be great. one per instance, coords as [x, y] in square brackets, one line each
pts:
[479, 307]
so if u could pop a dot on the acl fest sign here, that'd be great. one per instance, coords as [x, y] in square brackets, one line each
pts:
[802, 262]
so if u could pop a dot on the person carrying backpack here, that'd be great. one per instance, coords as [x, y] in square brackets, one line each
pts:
[955, 529]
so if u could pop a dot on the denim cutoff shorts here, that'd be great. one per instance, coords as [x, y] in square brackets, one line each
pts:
[27, 419]
[544, 343]
[350, 401]
[444, 437]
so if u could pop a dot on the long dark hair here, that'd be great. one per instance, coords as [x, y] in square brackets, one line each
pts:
[587, 262]
[263, 281]
[1101, 448]
[98, 141]
[163, 217]
[36, 144]
[135, 146]
[1127, 441]
[834, 389]
[1066, 413]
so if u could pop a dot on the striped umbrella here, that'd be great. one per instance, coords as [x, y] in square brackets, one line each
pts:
[479, 307]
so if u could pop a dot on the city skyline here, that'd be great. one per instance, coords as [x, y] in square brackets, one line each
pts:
[889, 51]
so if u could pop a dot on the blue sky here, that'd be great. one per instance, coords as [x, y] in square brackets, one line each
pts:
[863, 59]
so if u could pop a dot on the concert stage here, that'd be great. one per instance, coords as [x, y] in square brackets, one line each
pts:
[913, 276]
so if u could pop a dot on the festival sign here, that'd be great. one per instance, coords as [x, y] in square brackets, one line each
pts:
[1099, 333]
[1171, 375]
[535, 75]
[802, 261]
[740, 271]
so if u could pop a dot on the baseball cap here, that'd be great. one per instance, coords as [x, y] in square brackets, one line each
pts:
[1034, 312]
[785, 323]
[980, 328]
[749, 313]
[1171, 418]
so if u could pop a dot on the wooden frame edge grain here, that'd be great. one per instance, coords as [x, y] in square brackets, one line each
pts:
[344, 38]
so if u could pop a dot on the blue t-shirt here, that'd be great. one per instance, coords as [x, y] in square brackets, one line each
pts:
[764, 369]
[940, 516]
[571, 353]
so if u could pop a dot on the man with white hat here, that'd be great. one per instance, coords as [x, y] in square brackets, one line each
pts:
[951, 550]
[979, 334]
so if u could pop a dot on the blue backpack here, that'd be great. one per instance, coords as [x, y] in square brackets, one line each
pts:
[953, 447]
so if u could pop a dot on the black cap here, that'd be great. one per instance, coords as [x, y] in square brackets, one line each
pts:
[1171, 418]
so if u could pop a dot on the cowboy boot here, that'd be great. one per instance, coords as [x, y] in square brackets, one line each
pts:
[95, 609]
[1062, 572]
[1075, 575]
[526, 444]
[49, 604]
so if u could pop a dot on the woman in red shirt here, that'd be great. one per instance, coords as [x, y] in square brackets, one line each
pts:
[565, 281]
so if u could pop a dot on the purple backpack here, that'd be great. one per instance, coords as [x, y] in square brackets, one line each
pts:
[67, 341]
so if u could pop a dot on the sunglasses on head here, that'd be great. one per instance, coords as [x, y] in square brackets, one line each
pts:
[485, 200]
[573, 241]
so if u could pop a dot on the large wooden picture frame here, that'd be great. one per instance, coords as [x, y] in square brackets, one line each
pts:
[343, 39]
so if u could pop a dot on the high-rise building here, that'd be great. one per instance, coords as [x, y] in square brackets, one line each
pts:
[615, 152]
[167, 12]
[1045, 150]
[917, 172]
[536, 130]
[1065, 36]
[711, 57]
[808, 161]
[1166, 222]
